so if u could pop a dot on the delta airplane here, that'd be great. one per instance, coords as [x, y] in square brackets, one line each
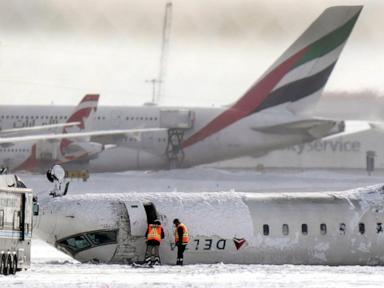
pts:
[272, 114]
[316, 228]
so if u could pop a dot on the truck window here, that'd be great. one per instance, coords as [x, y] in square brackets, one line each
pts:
[16, 220]
[1, 219]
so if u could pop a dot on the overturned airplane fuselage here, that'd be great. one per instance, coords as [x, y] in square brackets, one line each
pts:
[330, 228]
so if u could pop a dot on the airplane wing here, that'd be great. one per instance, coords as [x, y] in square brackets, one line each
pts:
[136, 133]
[22, 130]
[355, 127]
[316, 128]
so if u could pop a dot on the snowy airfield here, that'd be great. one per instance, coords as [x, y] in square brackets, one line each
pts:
[51, 268]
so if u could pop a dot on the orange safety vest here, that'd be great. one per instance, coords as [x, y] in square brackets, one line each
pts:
[154, 232]
[185, 238]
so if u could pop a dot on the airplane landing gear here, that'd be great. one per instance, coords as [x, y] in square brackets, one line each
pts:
[174, 150]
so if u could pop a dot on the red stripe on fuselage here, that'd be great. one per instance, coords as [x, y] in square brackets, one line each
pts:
[248, 103]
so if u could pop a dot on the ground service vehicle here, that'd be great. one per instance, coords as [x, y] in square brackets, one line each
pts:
[16, 210]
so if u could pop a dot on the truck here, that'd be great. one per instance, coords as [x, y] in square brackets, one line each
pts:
[16, 212]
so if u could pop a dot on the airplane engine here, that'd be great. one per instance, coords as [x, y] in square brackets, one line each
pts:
[87, 148]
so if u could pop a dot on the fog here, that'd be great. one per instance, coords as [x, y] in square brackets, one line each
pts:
[56, 51]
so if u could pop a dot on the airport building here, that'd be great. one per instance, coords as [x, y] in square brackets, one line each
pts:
[344, 152]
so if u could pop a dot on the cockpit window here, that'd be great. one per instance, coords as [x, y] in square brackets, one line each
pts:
[102, 237]
[75, 244]
[80, 242]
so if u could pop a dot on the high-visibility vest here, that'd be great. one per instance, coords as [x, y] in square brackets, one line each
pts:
[154, 232]
[185, 238]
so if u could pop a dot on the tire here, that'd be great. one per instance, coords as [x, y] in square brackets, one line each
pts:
[14, 265]
[2, 264]
[7, 266]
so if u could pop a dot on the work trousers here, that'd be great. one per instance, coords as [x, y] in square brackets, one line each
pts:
[152, 252]
[180, 251]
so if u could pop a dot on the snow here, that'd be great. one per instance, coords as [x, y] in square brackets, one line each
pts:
[229, 207]
[51, 268]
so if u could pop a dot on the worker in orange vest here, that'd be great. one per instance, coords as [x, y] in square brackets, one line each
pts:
[154, 235]
[181, 240]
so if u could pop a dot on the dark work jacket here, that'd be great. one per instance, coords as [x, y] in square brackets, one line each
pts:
[180, 232]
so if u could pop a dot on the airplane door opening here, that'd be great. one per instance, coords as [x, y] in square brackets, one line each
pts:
[151, 212]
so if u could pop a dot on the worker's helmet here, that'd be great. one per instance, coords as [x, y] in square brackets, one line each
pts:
[176, 221]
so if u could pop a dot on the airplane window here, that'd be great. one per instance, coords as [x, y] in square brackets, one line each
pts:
[102, 237]
[75, 244]
[304, 229]
[265, 229]
[361, 228]
[1, 219]
[285, 229]
[323, 229]
[379, 228]
[342, 228]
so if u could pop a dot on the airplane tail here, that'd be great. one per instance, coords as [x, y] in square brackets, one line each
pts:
[82, 111]
[298, 77]
[301, 73]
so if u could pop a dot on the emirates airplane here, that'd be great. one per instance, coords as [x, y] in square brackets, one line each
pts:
[270, 115]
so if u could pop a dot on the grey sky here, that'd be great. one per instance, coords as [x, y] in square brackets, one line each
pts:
[56, 51]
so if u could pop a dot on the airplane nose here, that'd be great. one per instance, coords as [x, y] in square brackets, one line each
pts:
[78, 227]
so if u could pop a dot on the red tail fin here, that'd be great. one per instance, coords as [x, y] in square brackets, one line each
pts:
[83, 110]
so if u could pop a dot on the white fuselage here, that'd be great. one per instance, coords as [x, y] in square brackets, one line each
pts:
[327, 228]
[149, 152]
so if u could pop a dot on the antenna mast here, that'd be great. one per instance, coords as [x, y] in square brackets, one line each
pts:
[164, 51]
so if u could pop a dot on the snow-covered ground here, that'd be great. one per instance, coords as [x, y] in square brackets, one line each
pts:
[51, 268]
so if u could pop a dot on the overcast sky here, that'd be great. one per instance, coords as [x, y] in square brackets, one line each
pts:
[57, 51]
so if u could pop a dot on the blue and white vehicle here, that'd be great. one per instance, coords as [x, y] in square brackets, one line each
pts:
[16, 210]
